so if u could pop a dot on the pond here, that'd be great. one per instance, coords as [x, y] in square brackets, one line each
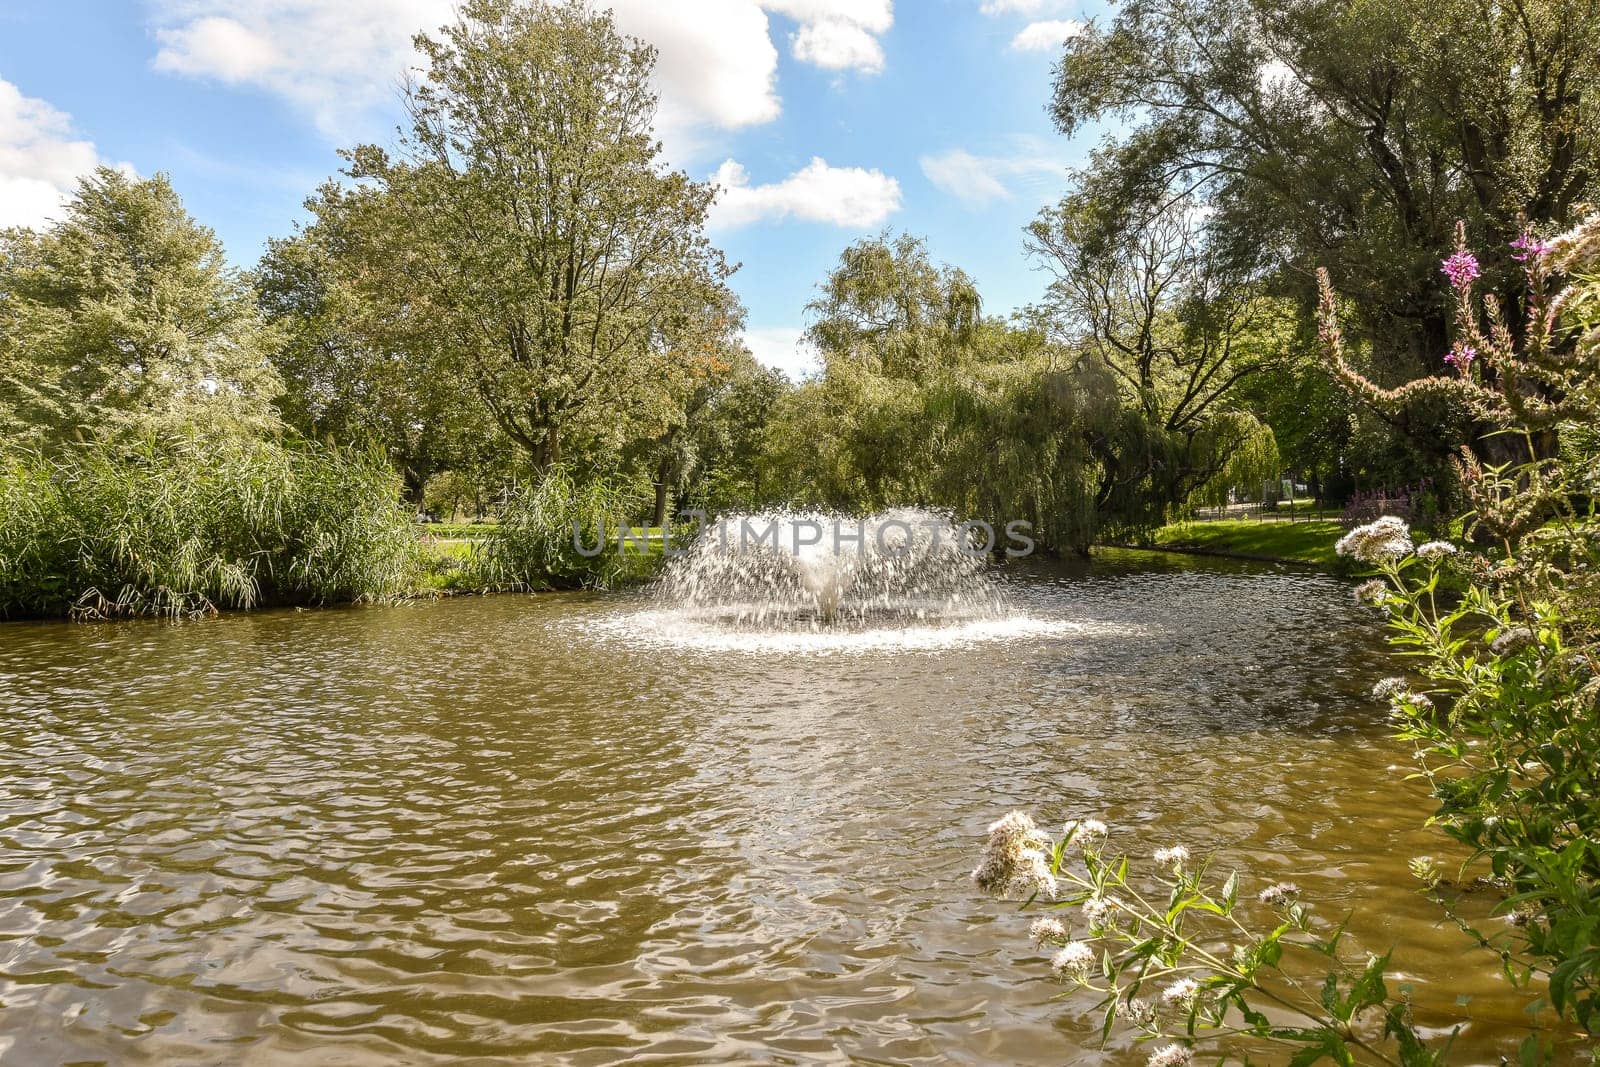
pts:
[537, 829]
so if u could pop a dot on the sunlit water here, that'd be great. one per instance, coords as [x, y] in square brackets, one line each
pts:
[543, 829]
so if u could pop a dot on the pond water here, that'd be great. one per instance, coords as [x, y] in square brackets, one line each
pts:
[545, 829]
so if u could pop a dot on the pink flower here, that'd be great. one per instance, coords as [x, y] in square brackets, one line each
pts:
[1461, 356]
[1461, 268]
[1528, 247]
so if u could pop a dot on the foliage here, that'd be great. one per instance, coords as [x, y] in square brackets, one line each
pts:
[1153, 947]
[1347, 135]
[189, 524]
[564, 269]
[365, 365]
[123, 318]
[890, 311]
[923, 401]
[562, 534]
[1505, 721]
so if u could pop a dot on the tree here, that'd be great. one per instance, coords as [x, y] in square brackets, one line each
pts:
[890, 310]
[364, 364]
[124, 317]
[1347, 135]
[1178, 326]
[529, 209]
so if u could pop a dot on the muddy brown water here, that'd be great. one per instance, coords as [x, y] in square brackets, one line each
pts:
[552, 830]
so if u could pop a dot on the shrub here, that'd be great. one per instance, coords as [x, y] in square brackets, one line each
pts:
[536, 543]
[1504, 721]
[187, 525]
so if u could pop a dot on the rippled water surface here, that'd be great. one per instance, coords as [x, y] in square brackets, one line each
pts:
[541, 829]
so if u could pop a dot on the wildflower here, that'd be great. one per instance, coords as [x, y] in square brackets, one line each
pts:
[1435, 550]
[1138, 1012]
[1389, 689]
[1380, 541]
[1084, 830]
[1520, 917]
[1373, 593]
[1511, 641]
[1279, 894]
[1461, 268]
[1183, 991]
[1014, 853]
[1528, 247]
[1096, 910]
[1176, 856]
[1461, 356]
[1419, 701]
[1048, 929]
[1171, 1056]
[1073, 960]
[1033, 876]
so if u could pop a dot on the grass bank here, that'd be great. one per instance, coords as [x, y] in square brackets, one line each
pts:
[1305, 543]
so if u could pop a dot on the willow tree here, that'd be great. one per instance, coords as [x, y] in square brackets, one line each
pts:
[531, 211]
[890, 310]
[1181, 328]
[123, 317]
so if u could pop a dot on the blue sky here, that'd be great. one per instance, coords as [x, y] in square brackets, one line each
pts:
[827, 120]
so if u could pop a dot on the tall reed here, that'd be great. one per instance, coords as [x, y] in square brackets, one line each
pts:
[191, 524]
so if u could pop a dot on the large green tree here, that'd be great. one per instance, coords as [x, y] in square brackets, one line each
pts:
[1350, 134]
[123, 317]
[527, 206]
[364, 364]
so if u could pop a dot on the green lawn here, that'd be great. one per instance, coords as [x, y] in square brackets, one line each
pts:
[1301, 542]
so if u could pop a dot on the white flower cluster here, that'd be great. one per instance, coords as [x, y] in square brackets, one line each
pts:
[1279, 894]
[1381, 541]
[1171, 1056]
[1074, 960]
[1085, 831]
[1183, 991]
[1390, 688]
[1016, 859]
[1373, 593]
[1048, 929]
[1435, 550]
[1174, 857]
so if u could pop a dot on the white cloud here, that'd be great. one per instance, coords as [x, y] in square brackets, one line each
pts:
[1046, 36]
[982, 180]
[784, 348]
[40, 158]
[339, 61]
[1027, 8]
[837, 34]
[845, 196]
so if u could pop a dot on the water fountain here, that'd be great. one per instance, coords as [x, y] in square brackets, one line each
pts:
[809, 571]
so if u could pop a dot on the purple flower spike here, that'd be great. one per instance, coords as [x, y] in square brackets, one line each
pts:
[1462, 269]
[1461, 356]
[1528, 247]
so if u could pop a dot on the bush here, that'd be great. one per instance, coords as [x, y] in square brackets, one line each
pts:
[536, 543]
[1506, 717]
[188, 525]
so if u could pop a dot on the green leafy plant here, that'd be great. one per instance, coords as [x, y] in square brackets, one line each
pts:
[1176, 955]
[1504, 711]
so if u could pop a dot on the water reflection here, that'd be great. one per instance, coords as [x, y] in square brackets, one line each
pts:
[529, 828]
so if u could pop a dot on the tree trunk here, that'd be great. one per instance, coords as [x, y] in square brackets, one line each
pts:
[416, 484]
[663, 472]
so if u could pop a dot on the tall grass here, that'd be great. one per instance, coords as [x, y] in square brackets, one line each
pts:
[189, 525]
[533, 547]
